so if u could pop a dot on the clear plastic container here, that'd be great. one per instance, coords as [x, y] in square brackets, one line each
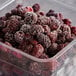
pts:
[69, 3]
[14, 62]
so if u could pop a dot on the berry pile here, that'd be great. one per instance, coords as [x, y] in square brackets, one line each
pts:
[34, 32]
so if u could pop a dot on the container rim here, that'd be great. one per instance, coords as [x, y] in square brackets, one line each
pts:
[5, 4]
[38, 59]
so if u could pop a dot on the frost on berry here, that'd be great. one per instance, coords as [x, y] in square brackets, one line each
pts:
[46, 29]
[55, 23]
[38, 50]
[35, 29]
[43, 20]
[53, 36]
[12, 26]
[15, 17]
[30, 18]
[19, 36]
[9, 37]
[25, 28]
[44, 40]
[66, 31]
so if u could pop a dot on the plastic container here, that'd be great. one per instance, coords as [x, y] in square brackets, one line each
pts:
[14, 62]
[70, 3]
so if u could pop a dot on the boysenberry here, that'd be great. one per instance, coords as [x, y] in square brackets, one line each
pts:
[44, 40]
[25, 28]
[35, 29]
[30, 18]
[19, 36]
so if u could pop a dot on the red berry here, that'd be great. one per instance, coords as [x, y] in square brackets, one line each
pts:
[34, 42]
[67, 22]
[38, 50]
[44, 56]
[46, 28]
[53, 36]
[35, 68]
[73, 30]
[28, 9]
[36, 7]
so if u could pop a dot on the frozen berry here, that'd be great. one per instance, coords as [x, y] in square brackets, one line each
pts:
[73, 30]
[66, 31]
[35, 29]
[34, 42]
[59, 16]
[67, 22]
[19, 36]
[43, 20]
[30, 18]
[18, 6]
[2, 24]
[38, 50]
[44, 56]
[44, 40]
[22, 22]
[52, 50]
[40, 13]
[53, 36]
[55, 23]
[36, 7]
[35, 68]
[15, 17]
[46, 28]
[25, 28]
[12, 26]
[61, 39]
[9, 37]
[28, 36]
[8, 15]
[51, 13]
[28, 9]
[14, 11]
[28, 48]
[60, 46]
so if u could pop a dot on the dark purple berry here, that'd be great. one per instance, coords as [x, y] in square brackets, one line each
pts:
[36, 7]
[9, 37]
[44, 40]
[35, 29]
[19, 36]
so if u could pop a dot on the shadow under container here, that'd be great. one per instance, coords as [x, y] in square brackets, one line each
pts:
[14, 62]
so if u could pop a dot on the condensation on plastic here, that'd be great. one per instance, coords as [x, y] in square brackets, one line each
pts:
[62, 64]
